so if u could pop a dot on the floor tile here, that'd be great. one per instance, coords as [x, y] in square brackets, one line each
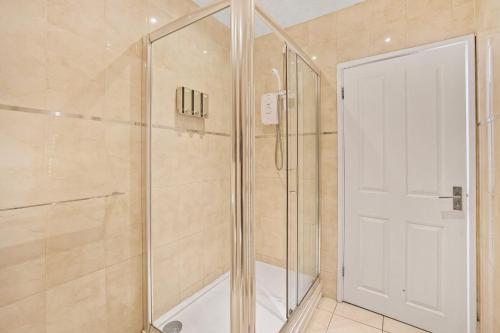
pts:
[319, 321]
[327, 304]
[358, 314]
[341, 324]
[394, 326]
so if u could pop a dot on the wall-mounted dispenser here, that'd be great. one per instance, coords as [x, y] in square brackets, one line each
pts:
[192, 102]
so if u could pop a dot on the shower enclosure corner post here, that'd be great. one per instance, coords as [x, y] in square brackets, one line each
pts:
[145, 181]
[243, 168]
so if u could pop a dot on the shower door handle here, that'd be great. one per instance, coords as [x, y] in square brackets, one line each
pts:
[457, 197]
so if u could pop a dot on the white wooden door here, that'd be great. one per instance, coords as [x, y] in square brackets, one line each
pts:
[405, 145]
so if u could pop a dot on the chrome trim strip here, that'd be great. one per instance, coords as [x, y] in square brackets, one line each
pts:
[186, 20]
[188, 130]
[40, 111]
[265, 136]
[117, 121]
[95, 118]
[62, 201]
[289, 41]
[243, 301]
[63, 114]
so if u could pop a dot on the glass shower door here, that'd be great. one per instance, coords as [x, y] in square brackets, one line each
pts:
[307, 178]
[303, 178]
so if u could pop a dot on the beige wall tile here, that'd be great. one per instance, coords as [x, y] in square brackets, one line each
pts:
[386, 10]
[349, 48]
[124, 296]
[24, 164]
[352, 21]
[21, 271]
[75, 240]
[78, 306]
[123, 234]
[190, 264]
[426, 8]
[322, 30]
[22, 254]
[216, 244]
[23, 74]
[122, 83]
[21, 226]
[26, 315]
[488, 12]
[386, 37]
[74, 255]
[166, 267]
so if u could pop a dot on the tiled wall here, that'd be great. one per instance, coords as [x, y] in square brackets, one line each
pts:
[70, 215]
[190, 164]
[356, 32]
[488, 67]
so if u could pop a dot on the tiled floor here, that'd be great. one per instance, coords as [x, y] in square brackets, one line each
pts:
[333, 317]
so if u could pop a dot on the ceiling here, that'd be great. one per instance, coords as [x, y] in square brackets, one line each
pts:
[289, 12]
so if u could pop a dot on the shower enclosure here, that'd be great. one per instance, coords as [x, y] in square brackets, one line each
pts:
[231, 174]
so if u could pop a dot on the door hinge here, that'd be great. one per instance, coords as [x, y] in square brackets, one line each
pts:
[342, 92]
[343, 271]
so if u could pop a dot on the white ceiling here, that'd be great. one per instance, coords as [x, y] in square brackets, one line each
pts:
[290, 12]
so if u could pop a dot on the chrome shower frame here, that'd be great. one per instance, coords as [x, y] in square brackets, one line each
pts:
[242, 175]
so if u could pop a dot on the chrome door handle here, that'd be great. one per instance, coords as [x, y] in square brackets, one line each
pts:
[457, 197]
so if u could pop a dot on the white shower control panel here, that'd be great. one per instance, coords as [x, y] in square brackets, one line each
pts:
[269, 109]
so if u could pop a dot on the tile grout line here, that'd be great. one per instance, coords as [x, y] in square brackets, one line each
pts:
[361, 322]
[331, 317]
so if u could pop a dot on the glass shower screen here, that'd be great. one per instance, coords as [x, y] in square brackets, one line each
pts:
[189, 165]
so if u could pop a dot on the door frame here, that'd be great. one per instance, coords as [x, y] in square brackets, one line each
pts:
[469, 42]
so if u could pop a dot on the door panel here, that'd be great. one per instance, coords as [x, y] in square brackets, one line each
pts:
[423, 269]
[373, 255]
[371, 134]
[422, 124]
[405, 121]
